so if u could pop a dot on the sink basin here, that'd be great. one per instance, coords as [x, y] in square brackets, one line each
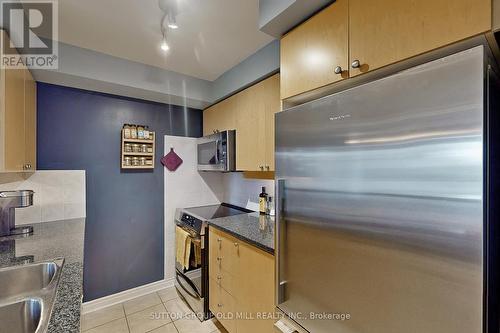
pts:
[27, 296]
[25, 279]
[23, 316]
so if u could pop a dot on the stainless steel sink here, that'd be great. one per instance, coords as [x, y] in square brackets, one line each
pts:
[23, 316]
[25, 279]
[27, 295]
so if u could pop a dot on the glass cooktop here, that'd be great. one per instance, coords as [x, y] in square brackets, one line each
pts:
[215, 211]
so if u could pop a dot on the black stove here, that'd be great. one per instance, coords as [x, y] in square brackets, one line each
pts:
[215, 211]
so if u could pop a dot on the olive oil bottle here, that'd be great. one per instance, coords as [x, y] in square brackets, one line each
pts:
[263, 201]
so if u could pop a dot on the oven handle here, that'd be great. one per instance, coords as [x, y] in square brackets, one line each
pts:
[188, 282]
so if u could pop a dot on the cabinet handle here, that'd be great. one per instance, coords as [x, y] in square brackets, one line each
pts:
[338, 70]
[261, 168]
[219, 278]
[219, 305]
[236, 244]
[267, 167]
[219, 240]
[356, 64]
[219, 259]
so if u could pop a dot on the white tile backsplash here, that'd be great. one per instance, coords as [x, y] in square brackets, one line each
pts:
[59, 194]
[238, 190]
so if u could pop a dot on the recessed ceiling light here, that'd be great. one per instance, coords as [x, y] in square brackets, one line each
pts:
[173, 25]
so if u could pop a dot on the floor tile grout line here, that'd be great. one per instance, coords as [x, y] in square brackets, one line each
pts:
[104, 324]
[126, 319]
[150, 306]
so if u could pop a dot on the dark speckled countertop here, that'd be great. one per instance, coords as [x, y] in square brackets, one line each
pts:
[253, 228]
[51, 240]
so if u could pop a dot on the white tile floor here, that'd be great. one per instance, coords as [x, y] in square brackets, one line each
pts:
[160, 312]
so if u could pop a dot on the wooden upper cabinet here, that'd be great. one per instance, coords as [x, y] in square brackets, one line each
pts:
[14, 135]
[382, 32]
[220, 116]
[273, 106]
[311, 52]
[255, 125]
[250, 133]
[251, 113]
[30, 120]
[17, 118]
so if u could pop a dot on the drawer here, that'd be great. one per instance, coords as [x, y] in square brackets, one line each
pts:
[223, 306]
[224, 279]
[224, 252]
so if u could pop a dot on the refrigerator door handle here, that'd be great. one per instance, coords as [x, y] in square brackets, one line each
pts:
[280, 285]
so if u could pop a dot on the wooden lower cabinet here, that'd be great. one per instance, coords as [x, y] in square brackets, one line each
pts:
[241, 284]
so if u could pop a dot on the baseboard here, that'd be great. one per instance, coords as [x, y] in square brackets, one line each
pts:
[125, 295]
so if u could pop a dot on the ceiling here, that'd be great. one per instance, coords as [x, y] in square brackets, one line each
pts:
[213, 35]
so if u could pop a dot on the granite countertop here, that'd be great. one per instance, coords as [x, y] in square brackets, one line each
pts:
[51, 240]
[256, 229]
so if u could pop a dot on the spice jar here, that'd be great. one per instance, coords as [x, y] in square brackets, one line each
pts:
[135, 161]
[133, 131]
[140, 132]
[144, 148]
[126, 131]
[128, 148]
[143, 161]
[150, 149]
[136, 148]
[146, 132]
[127, 161]
[149, 162]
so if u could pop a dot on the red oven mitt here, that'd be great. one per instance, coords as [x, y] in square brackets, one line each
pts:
[171, 161]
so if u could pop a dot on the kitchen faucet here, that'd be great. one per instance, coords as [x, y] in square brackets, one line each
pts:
[9, 200]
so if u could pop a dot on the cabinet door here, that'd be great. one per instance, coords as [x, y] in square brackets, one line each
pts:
[255, 295]
[14, 120]
[250, 133]
[220, 116]
[30, 120]
[273, 105]
[310, 52]
[382, 32]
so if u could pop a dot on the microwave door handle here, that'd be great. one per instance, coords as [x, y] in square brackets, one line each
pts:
[217, 151]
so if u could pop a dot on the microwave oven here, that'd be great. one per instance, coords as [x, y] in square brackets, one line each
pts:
[217, 152]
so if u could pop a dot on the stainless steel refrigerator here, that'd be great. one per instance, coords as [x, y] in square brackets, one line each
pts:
[384, 193]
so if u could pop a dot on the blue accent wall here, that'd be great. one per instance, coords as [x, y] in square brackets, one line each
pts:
[80, 130]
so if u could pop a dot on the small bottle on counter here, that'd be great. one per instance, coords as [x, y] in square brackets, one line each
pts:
[263, 201]
[269, 205]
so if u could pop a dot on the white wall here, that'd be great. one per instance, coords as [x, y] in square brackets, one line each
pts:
[58, 195]
[185, 187]
[238, 189]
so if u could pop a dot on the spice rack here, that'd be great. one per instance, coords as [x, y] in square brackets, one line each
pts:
[138, 153]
